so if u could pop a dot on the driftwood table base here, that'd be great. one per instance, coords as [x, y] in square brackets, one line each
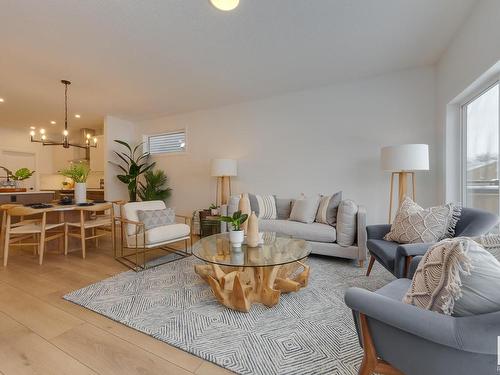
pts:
[239, 287]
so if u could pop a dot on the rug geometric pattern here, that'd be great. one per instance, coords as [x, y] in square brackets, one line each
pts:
[308, 332]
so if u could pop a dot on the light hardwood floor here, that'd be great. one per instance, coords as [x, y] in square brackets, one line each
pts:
[40, 333]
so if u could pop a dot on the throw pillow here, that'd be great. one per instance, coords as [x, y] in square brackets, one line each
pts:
[264, 206]
[304, 210]
[346, 223]
[283, 208]
[328, 207]
[490, 242]
[413, 224]
[456, 277]
[156, 218]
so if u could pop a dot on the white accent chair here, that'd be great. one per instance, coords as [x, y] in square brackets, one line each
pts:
[136, 242]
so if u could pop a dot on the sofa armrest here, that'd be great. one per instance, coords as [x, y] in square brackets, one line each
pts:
[377, 232]
[413, 266]
[403, 251]
[361, 233]
[475, 334]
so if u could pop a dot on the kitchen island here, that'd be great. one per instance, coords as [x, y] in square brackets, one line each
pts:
[26, 197]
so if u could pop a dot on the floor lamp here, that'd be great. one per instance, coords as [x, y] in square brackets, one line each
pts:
[223, 169]
[403, 161]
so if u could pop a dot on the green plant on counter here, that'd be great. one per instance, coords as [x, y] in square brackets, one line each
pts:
[78, 172]
[154, 186]
[236, 220]
[22, 174]
[133, 166]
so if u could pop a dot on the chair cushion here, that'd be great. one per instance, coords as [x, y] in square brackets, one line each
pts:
[395, 289]
[414, 224]
[159, 235]
[384, 251]
[156, 218]
[310, 232]
[456, 276]
[130, 211]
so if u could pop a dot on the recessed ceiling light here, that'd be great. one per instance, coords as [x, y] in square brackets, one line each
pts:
[53, 122]
[1, 100]
[32, 127]
[77, 116]
[225, 5]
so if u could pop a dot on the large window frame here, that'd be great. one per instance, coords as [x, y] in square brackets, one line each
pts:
[463, 135]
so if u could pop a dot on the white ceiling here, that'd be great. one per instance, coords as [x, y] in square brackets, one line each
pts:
[140, 59]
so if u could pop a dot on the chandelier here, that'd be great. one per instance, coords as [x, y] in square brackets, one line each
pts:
[65, 140]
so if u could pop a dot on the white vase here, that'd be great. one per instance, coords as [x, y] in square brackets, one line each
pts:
[80, 192]
[236, 237]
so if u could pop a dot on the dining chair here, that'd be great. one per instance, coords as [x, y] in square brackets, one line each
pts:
[37, 229]
[93, 219]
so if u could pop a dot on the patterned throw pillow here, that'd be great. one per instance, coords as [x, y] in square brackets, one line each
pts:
[264, 206]
[156, 218]
[413, 224]
[456, 277]
[328, 207]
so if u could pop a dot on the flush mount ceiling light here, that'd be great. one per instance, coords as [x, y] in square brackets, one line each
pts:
[225, 5]
[65, 141]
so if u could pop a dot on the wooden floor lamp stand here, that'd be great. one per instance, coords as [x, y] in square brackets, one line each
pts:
[223, 190]
[402, 189]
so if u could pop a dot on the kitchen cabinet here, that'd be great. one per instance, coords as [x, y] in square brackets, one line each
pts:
[97, 155]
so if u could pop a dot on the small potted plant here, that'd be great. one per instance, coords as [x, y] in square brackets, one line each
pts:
[21, 175]
[78, 172]
[237, 235]
[214, 210]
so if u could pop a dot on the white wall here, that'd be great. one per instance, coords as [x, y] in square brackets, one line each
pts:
[19, 140]
[474, 50]
[115, 128]
[317, 141]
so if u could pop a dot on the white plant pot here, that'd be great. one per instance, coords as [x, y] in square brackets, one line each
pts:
[214, 211]
[236, 237]
[80, 192]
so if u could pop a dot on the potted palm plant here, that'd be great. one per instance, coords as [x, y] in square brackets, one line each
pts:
[154, 186]
[237, 235]
[79, 173]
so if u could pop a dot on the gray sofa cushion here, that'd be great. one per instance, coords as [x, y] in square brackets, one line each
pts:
[346, 222]
[304, 209]
[283, 208]
[310, 232]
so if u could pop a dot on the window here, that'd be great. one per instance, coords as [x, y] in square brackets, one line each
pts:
[480, 150]
[166, 143]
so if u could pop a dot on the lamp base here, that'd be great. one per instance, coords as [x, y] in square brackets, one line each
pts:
[223, 190]
[402, 189]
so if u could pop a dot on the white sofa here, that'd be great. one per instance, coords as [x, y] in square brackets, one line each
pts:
[321, 237]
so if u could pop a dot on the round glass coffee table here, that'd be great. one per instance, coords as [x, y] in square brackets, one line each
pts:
[242, 276]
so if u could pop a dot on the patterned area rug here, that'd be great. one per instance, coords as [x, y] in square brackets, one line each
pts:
[308, 332]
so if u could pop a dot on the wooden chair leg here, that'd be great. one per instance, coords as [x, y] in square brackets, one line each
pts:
[41, 248]
[66, 229]
[6, 244]
[82, 235]
[370, 265]
[407, 265]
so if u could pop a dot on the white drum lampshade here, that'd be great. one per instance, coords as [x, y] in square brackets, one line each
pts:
[224, 168]
[403, 158]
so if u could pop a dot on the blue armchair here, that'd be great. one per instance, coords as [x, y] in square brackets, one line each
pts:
[403, 339]
[396, 257]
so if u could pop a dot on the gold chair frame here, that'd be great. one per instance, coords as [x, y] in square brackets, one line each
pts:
[142, 249]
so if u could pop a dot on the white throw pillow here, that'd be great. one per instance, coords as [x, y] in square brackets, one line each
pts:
[414, 224]
[305, 209]
[456, 277]
[346, 222]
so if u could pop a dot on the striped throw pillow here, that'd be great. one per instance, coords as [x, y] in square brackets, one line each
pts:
[328, 207]
[264, 206]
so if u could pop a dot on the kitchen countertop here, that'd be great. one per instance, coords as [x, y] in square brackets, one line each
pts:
[27, 192]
